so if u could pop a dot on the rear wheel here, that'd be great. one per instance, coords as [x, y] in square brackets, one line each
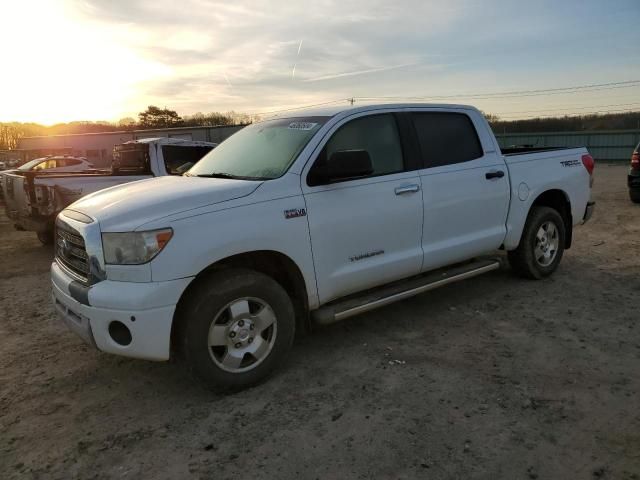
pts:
[236, 328]
[634, 195]
[541, 245]
[46, 237]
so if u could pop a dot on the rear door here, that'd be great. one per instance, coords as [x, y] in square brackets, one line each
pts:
[366, 231]
[465, 188]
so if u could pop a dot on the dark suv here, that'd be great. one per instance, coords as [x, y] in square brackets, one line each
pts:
[634, 176]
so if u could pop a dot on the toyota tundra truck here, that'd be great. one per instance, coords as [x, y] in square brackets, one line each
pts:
[304, 220]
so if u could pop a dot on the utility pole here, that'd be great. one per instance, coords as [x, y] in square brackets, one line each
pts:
[352, 100]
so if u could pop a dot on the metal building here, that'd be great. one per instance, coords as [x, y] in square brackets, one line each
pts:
[98, 147]
[607, 145]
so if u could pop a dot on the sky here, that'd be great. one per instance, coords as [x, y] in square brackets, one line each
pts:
[96, 60]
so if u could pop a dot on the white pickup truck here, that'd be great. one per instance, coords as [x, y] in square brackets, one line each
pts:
[303, 220]
[33, 198]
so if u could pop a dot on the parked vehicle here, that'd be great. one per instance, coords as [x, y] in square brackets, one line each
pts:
[34, 196]
[57, 164]
[633, 180]
[304, 220]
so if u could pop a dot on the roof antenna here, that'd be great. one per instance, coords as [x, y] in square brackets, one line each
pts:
[352, 100]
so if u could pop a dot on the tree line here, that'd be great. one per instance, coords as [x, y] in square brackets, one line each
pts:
[152, 117]
[156, 117]
[611, 121]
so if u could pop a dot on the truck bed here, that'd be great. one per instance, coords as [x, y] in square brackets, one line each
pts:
[32, 198]
[519, 150]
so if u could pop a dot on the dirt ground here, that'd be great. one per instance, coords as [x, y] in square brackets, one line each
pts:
[494, 377]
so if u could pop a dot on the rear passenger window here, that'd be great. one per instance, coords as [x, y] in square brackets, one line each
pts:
[377, 134]
[446, 138]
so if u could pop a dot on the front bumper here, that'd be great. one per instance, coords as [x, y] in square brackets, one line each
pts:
[145, 309]
[588, 212]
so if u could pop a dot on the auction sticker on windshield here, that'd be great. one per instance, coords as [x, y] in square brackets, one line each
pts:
[302, 125]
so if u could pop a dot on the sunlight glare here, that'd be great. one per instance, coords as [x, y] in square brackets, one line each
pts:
[57, 69]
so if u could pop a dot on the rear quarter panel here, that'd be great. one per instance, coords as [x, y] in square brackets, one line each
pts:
[535, 173]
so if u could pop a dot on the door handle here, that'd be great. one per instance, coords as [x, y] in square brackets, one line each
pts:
[494, 174]
[407, 189]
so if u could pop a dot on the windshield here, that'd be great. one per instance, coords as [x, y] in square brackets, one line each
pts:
[31, 164]
[261, 151]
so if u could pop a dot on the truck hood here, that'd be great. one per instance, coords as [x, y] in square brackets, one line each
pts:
[128, 206]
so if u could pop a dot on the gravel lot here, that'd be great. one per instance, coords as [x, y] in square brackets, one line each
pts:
[495, 377]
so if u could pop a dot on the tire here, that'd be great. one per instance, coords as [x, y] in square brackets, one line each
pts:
[227, 316]
[634, 195]
[46, 237]
[541, 245]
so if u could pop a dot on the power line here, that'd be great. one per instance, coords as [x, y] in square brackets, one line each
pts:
[570, 108]
[516, 93]
[475, 96]
[331, 102]
[582, 114]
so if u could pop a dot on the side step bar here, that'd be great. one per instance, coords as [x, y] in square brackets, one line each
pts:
[372, 299]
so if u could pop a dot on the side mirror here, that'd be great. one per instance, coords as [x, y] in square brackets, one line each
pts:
[340, 166]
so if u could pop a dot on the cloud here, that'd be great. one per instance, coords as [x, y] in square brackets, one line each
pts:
[255, 50]
[257, 54]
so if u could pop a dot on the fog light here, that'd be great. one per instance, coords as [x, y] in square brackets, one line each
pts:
[120, 333]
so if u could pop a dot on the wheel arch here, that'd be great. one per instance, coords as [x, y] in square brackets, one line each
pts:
[272, 263]
[560, 202]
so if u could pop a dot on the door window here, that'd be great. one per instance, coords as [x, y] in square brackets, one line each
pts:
[446, 138]
[177, 160]
[45, 165]
[377, 134]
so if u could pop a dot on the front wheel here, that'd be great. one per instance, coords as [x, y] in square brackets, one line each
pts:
[541, 245]
[237, 327]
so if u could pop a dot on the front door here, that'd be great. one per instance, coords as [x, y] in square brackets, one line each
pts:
[367, 231]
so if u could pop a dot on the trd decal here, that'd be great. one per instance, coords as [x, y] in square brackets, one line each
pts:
[362, 256]
[295, 212]
[570, 163]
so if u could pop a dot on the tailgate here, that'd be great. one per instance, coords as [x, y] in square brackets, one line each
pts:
[16, 196]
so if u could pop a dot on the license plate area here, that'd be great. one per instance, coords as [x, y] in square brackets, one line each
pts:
[75, 321]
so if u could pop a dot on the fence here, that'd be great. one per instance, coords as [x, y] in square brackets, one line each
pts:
[609, 145]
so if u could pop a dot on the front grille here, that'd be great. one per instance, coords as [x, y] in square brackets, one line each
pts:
[71, 253]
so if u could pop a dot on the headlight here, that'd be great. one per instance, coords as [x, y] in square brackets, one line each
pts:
[134, 248]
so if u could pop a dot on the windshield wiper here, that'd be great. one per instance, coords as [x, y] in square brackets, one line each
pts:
[226, 175]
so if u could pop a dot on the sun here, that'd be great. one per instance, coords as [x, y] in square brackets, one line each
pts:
[59, 68]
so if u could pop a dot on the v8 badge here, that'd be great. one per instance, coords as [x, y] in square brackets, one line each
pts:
[295, 212]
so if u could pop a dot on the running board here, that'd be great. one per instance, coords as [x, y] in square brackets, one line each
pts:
[372, 299]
